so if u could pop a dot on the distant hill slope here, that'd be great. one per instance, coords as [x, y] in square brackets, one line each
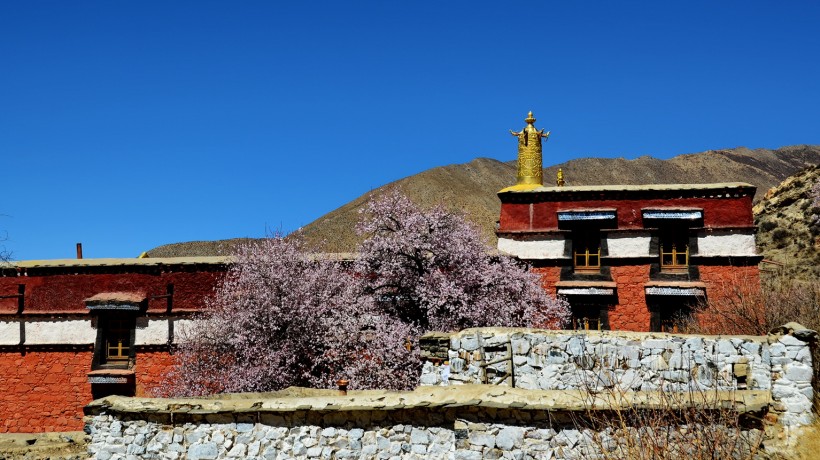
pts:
[788, 225]
[471, 188]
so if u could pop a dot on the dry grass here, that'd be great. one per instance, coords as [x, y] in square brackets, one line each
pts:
[808, 446]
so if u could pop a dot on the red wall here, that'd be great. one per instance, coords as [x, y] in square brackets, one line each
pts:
[631, 313]
[717, 212]
[66, 293]
[44, 391]
[150, 369]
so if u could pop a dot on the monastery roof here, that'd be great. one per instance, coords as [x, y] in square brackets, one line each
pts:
[124, 262]
[147, 261]
[627, 188]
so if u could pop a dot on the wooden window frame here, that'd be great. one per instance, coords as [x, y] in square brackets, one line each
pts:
[679, 258]
[119, 327]
[583, 237]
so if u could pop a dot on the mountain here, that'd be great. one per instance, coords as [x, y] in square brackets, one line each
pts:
[789, 226]
[471, 188]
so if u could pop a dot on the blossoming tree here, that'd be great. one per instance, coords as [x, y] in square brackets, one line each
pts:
[284, 316]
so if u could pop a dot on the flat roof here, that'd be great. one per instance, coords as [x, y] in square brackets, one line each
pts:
[150, 261]
[111, 262]
[625, 188]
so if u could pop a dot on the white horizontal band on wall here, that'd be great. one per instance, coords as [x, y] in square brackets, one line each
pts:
[622, 245]
[9, 332]
[151, 332]
[40, 331]
[726, 244]
[59, 332]
[549, 247]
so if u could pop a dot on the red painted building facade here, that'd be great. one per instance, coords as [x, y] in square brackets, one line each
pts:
[74, 330]
[633, 257]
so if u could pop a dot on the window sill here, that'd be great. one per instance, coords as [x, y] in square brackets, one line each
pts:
[111, 376]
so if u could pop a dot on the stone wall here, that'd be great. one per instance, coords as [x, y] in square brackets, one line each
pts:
[468, 422]
[620, 362]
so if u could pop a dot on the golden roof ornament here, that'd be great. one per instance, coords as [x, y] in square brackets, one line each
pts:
[559, 178]
[530, 173]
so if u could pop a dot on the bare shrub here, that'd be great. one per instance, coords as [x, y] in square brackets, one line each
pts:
[695, 424]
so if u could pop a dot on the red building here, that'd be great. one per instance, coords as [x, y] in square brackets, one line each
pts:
[78, 329]
[628, 257]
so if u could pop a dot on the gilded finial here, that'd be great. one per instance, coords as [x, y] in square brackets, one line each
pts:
[530, 174]
[559, 178]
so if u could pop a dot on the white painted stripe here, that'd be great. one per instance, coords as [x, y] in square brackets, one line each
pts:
[726, 244]
[548, 247]
[9, 332]
[183, 328]
[152, 332]
[59, 332]
[628, 245]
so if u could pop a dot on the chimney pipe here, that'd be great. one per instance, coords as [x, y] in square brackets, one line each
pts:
[342, 383]
[79, 250]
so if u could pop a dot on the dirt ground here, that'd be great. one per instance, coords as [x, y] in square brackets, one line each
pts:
[42, 446]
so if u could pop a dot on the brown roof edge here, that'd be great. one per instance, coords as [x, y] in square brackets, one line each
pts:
[117, 297]
[633, 188]
[121, 262]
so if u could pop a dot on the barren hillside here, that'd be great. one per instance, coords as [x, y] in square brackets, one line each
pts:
[471, 188]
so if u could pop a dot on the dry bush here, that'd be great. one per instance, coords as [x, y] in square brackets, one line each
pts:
[695, 424]
[746, 309]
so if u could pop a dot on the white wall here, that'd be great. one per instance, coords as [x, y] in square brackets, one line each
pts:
[628, 244]
[154, 333]
[726, 244]
[9, 332]
[59, 331]
[548, 247]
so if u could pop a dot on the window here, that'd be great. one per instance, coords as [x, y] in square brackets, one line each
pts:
[669, 314]
[588, 316]
[586, 250]
[115, 340]
[674, 250]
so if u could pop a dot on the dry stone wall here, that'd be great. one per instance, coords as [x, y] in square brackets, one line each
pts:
[620, 362]
[555, 396]
[466, 422]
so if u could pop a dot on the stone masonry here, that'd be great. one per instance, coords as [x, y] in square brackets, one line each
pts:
[620, 362]
[464, 422]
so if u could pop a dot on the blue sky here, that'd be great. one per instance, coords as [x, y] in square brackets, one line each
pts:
[127, 125]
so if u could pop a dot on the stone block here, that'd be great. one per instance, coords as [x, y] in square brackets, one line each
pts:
[725, 347]
[469, 342]
[790, 340]
[497, 340]
[750, 348]
[482, 438]
[418, 436]
[799, 373]
[777, 350]
[509, 438]
[520, 346]
[203, 451]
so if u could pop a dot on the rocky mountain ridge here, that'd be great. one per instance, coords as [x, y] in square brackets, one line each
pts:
[471, 188]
